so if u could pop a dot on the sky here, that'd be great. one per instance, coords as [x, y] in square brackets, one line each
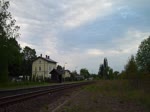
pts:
[80, 33]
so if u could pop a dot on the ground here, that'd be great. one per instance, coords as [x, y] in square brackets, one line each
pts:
[106, 96]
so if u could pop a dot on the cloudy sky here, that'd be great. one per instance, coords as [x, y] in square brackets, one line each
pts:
[82, 32]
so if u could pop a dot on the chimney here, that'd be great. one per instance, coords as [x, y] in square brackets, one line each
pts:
[46, 56]
[41, 55]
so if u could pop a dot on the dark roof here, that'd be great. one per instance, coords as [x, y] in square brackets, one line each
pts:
[46, 59]
[55, 71]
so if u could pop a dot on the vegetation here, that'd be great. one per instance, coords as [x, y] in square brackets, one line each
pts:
[137, 67]
[9, 47]
[106, 72]
[110, 96]
[22, 84]
[131, 69]
[13, 62]
[143, 56]
[28, 56]
[84, 72]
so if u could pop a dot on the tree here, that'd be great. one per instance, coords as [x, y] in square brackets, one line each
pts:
[106, 69]
[116, 74]
[101, 71]
[8, 32]
[143, 56]
[110, 73]
[73, 75]
[59, 68]
[131, 68]
[84, 72]
[29, 55]
[15, 58]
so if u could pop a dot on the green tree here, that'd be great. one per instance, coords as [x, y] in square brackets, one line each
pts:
[101, 71]
[106, 69]
[29, 55]
[8, 32]
[131, 68]
[15, 58]
[143, 56]
[116, 74]
[84, 72]
[59, 67]
[110, 73]
[73, 75]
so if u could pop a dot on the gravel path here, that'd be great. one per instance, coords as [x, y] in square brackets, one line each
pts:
[41, 104]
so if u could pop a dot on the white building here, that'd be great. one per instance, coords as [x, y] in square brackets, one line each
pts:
[41, 67]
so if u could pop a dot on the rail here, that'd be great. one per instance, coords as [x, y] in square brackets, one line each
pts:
[9, 100]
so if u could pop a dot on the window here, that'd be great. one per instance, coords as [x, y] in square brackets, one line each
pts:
[40, 61]
[39, 68]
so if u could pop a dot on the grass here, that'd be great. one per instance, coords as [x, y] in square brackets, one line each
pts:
[26, 84]
[111, 96]
[14, 85]
[123, 89]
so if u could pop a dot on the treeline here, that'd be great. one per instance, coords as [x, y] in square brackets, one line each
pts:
[137, 67]
[106, 72]
[14, 61]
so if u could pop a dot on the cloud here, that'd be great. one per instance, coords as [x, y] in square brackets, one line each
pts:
[131, 40]
[80, 12]
[83, 32]
[94, 52]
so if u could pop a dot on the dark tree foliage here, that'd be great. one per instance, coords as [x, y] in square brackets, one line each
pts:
[105, 63]
[101, 71]
[106, 69]
[9, 47]
[15, 58]
[59, 68]
[84, 72]
[143, 56]
[106, 72]
[131, 68]
[73, 74]
[29, 55]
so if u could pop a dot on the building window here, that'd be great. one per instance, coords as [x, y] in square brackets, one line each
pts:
[39, 68]
[40, 61]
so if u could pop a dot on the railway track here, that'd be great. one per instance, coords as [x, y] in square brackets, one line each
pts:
[4, 93]
[14, 99]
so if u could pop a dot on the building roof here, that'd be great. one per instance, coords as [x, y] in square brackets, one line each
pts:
[58, 72]
[46, 59]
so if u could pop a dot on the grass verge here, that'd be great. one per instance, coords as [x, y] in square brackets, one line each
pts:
[111, 96]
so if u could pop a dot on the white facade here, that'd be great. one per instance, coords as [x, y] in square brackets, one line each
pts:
[66, 74]
[42, 67]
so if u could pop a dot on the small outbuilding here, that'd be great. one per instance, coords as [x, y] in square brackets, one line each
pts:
[56, 75]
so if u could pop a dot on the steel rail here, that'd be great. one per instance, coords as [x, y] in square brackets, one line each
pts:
[9, 100]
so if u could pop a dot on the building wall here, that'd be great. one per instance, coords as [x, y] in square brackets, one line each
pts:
[67, 74]
[42, 68]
